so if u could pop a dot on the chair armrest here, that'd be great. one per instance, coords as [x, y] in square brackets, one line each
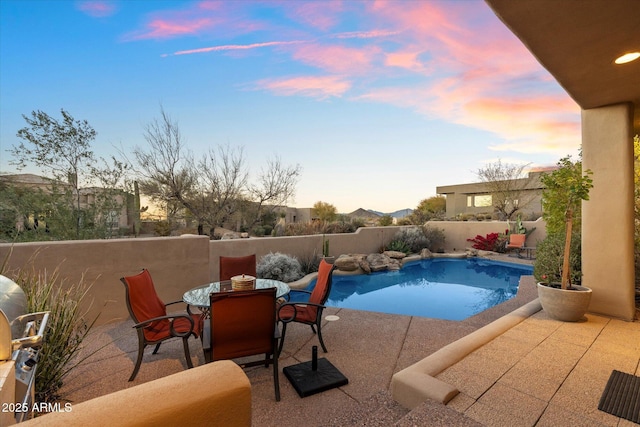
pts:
[295, 310]
[171, 319]
[287, 297]
[174, 302]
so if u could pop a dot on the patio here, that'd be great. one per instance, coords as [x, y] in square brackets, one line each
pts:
[540, 372]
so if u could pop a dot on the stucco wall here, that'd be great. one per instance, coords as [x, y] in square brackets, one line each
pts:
[178, 264]
[457, 232]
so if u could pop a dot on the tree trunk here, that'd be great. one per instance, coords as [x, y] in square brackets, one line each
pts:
[566, 276]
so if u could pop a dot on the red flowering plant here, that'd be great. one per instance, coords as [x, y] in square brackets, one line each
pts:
[494, 242]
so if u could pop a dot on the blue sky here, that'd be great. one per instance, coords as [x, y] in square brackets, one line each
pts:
[378, 101]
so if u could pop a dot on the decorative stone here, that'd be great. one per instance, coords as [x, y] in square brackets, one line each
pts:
[395, 254]
[346, 263]
[378, 262]
[426, 253]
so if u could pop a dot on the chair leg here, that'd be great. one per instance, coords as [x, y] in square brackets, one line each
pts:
[284, 331]
[320, 337]
[276, 378]
[138, 361]
[187, 355]
[313, 329]
[156, 349]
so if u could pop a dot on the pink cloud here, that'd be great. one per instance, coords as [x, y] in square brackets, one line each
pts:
[404, 59]
[322, 15]
[97, 9]
[164, 29]
[313, 87]
[336, 58]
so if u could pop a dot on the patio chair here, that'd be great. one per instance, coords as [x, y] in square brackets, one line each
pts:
[516, 242]
[152, 322]
[242, 324]
[308, 312]
[235, 266]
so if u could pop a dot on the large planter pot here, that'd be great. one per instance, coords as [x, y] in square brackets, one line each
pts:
[564, 304]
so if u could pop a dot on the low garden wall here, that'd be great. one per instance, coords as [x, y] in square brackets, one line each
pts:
[178, 264]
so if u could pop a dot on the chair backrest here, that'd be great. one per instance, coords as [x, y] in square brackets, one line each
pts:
[320, 292]
[142, 300]
[235, 266]
[243, 323]
[517, 240]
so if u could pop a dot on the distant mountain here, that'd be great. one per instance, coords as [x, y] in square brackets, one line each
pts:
[397, 214]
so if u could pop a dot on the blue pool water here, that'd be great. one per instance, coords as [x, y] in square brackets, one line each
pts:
[441, 288]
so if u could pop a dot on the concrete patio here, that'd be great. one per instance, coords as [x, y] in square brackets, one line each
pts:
[540, 372]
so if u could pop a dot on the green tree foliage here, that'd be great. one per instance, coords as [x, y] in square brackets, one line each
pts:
[565, 189]
[82, 196]
[428, 209]
[385, 220]
[324, 211]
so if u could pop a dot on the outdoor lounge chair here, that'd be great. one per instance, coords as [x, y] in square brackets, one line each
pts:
[516, 242]
[152, 322]
[308, 312]
[243, 323]
[235, 266]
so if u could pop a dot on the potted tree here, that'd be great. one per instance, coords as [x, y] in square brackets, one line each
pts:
[557, 265]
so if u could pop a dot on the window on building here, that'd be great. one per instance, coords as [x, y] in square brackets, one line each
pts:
[483, 201]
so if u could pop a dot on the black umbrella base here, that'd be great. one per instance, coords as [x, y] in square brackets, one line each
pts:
[315, 376]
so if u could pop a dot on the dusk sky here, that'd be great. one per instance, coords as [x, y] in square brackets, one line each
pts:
[379, 102]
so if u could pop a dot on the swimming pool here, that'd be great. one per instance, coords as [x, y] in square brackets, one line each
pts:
[441, 288]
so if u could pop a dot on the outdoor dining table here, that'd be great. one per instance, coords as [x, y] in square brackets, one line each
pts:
[199, 297]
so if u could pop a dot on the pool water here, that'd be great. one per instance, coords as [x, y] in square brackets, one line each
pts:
[441, 288]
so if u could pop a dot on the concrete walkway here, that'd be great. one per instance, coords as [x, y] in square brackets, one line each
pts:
[540, 372]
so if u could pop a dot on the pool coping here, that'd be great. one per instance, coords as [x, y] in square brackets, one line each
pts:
[417, 383]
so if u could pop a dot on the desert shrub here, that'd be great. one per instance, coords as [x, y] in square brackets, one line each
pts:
[309, 262]
[258, 231]
[279, 266]
[162, 228]
[435, 238]
[398, 245]
[549, 259]
[404, 221]
[385, 220]
[411, 237]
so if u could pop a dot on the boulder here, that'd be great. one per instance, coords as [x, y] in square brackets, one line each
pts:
[346, 263]
[395, 254]
[378, 262]
[426, 253]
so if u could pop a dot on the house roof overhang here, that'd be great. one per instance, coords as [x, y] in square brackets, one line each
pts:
[577, 42]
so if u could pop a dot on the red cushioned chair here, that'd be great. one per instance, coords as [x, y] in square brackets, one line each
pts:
[243, 323]
[516, 242]
[152, 322]
[308, 312]
[235, 266]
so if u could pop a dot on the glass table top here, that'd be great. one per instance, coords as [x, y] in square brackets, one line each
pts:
[199, 296]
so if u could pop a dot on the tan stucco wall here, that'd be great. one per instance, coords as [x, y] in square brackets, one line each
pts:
[176, 264]
[364, 240]
[608, 218]
[215, 394]
[457, 232]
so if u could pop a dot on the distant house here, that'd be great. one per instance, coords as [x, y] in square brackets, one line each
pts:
[118, 216]
[476, 199]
